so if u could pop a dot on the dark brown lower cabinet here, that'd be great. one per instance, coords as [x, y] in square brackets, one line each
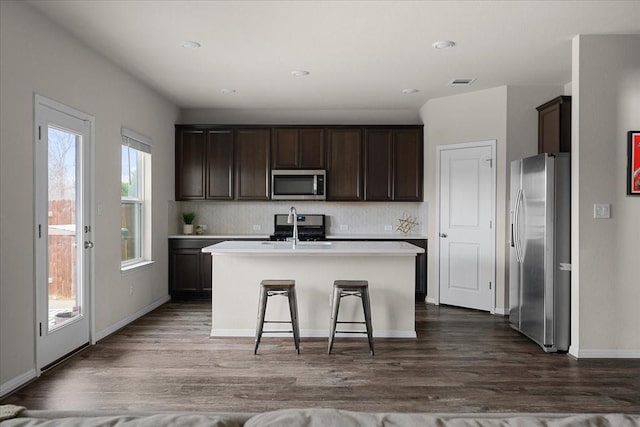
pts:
[190, 269]
[421, 261]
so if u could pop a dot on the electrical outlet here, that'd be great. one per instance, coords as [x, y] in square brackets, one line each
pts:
[388, 228]
[257, 227]
[344, 227]
[204, 226]
[130, 289]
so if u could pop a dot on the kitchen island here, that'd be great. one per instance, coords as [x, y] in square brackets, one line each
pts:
[239, 266]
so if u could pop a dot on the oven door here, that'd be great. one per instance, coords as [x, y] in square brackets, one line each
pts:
[298, 184]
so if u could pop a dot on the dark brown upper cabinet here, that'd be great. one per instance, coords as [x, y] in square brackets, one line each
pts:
[252, 149]
[204, 164]
[407, 165]
[190, 161]
[297, 148]
[344, 164]
[393, 164]
[219, 165]
[554, 126]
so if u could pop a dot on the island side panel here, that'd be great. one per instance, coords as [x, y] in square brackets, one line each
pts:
[236, 285]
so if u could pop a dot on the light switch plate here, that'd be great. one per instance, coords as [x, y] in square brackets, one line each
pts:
[601, 210]
[388, 228]
[257, 227]
[344, 227]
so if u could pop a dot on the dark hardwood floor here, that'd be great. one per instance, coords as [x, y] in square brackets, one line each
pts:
[462, 361]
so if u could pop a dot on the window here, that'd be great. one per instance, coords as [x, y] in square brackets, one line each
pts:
[135, 185]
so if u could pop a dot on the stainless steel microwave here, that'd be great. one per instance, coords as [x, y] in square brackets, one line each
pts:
[298, 184]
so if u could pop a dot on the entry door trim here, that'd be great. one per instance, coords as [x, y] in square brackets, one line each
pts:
[463, 145]
[39, 100]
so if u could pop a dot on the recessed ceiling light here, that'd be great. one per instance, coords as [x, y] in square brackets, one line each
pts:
[228, 91]
[300, 73]
[443, 44]
[409, 91]
[189, 44]
[461, 82]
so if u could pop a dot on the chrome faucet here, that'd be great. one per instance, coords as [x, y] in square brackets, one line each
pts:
[293, 218]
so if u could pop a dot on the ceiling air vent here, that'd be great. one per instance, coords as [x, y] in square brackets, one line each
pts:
[461, 82]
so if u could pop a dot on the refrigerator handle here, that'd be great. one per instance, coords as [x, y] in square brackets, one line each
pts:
[516, 225]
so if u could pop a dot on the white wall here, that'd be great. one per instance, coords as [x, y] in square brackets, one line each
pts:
[505, 114]
[39, 57]
[605, 279]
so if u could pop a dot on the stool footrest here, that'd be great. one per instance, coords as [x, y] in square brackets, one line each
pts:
[355, 323]
[277, 332]
[351, 332]
[277, 321]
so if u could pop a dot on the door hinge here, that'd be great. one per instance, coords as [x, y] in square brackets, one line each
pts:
[490, 224]
[40, 328]
[39, 133]
[489, 285]
[40, 231]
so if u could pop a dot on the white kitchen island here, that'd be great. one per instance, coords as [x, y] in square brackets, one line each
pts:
[239, 266]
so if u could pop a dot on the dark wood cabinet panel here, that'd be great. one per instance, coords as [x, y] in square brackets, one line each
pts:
[284, 148]
[220, 165]
[312, 149]
[190, 268]
[252, 150]
[378, 165]
[190, 159]
[297, 148]
[393, 164]
[408, 165]
[554, 126]
[344, 166]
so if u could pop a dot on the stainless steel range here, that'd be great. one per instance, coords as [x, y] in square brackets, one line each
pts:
[310, 227]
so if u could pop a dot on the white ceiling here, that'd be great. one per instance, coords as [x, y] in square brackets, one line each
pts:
[360, 54]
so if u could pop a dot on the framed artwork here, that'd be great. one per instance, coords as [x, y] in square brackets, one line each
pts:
[633, 167]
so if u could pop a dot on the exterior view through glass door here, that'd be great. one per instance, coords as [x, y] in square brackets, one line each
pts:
[63, 230]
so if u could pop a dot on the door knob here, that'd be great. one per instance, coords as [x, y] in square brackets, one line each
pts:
[443, 235]
[88, 245]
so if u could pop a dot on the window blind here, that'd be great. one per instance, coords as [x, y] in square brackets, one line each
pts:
[135, 140]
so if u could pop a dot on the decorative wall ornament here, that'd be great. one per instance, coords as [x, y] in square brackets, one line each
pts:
[406, 223]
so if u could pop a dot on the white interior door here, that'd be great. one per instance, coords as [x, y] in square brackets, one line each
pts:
[466, 225]
[63, 230]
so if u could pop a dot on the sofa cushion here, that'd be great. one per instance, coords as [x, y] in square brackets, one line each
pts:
[335, 417]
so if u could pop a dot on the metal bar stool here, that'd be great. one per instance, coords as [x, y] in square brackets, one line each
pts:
[269, 288]
[345, 288]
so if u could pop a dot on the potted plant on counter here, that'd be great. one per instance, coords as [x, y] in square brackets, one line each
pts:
[188, 218]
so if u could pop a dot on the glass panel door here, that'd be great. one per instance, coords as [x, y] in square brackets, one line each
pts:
[64, 296]
[63, 231]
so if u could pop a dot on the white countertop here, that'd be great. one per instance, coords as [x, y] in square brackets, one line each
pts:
[330, 236]
[315, 248]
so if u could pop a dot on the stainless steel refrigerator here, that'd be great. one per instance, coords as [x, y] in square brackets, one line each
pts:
[540, 278]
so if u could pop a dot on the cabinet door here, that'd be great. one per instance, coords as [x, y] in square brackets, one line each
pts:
[284, 148]
[220, 165]
[554, 126]
[408, 161]
[252, 164]
[185, 271]
[311, 149]
[344, 168]
[206, 275]
[190, 164]
[378, 165]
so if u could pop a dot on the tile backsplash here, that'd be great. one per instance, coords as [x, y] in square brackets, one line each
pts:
[246, 218]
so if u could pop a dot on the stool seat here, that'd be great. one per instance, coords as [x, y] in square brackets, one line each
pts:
[270, 288]
[345, 288]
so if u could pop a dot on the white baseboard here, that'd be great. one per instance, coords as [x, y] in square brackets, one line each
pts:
[19, 381]
[309, 333]
[124, 322]
[431, 301]
[604, 354]
[501, 311]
